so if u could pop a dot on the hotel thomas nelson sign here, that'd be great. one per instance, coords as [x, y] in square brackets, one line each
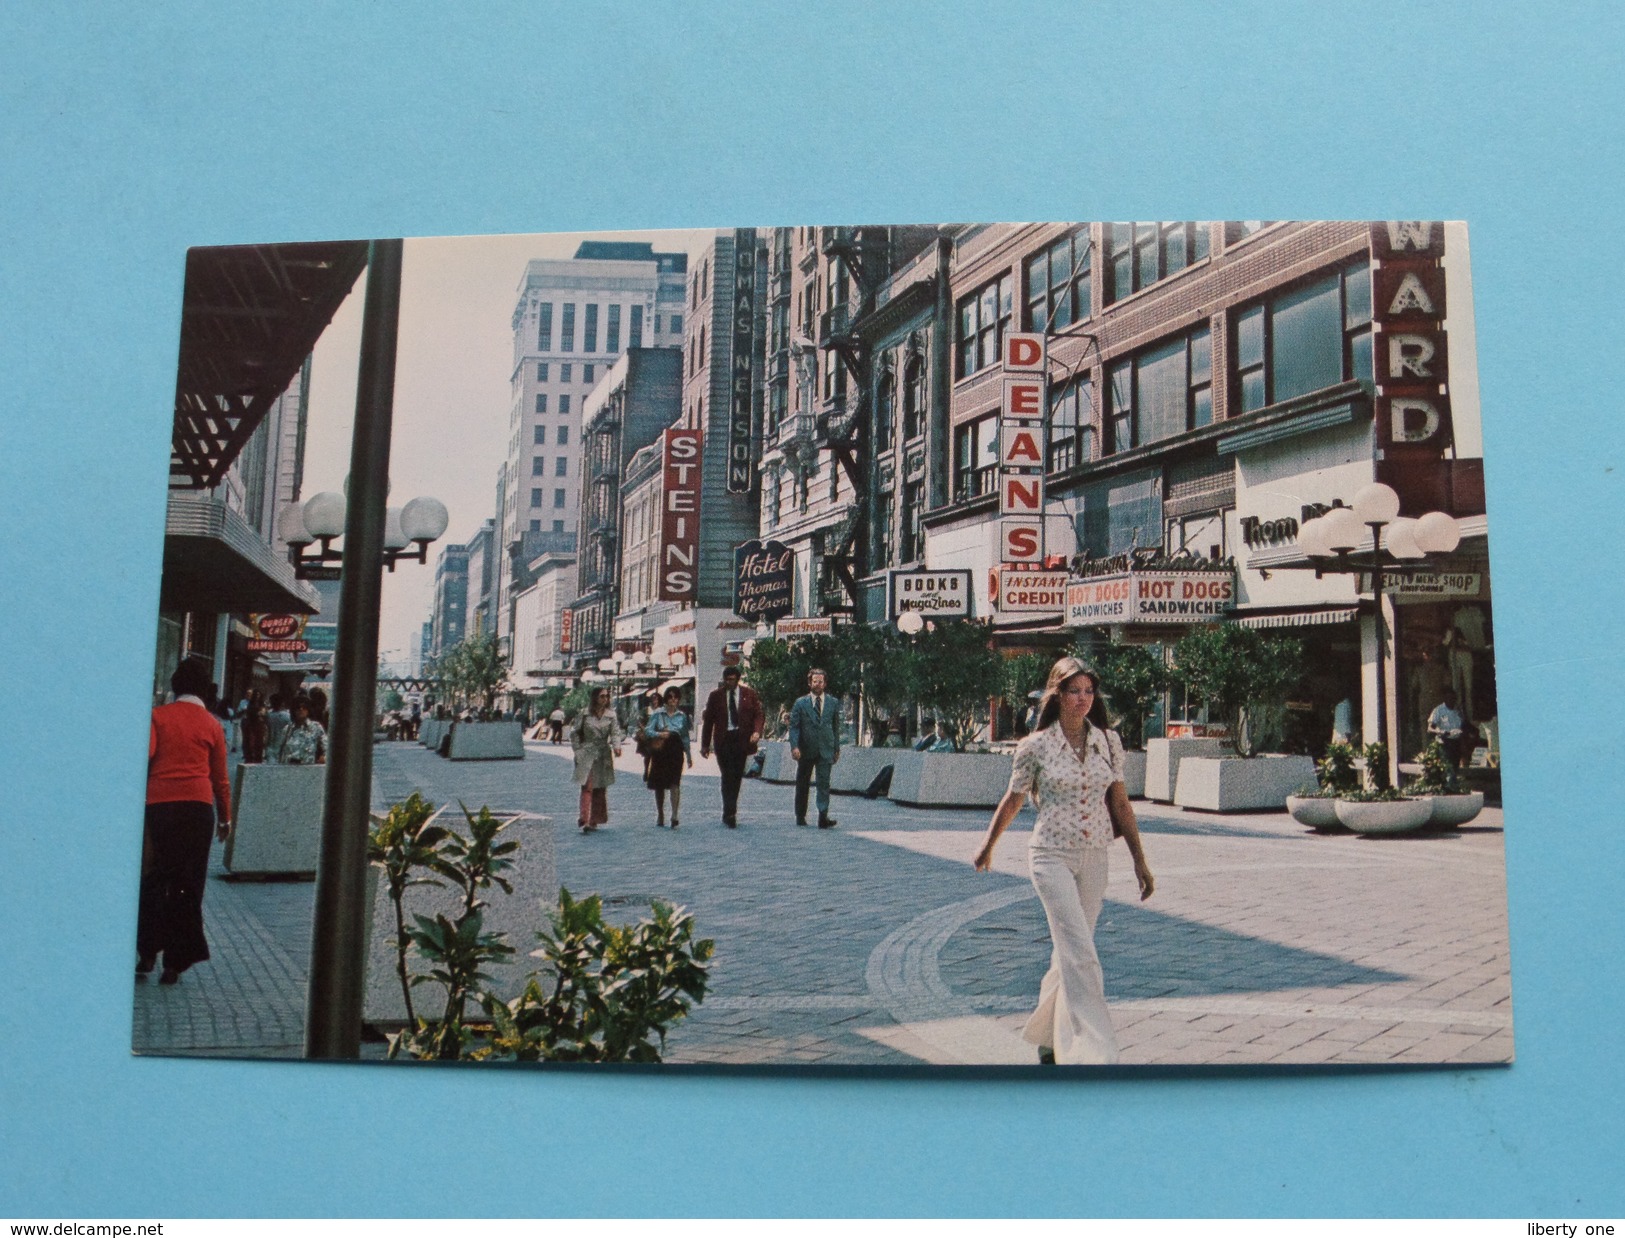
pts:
[741, 471]
[764, 579]
[679, 548]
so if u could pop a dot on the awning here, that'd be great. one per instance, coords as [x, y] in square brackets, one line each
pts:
[216, 563]
[678, 681]
[250, 315]
[1300, 618]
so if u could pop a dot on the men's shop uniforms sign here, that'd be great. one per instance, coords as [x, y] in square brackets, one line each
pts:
[1149, 597]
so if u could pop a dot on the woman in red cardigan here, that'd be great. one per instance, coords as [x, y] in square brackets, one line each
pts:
[186, 782]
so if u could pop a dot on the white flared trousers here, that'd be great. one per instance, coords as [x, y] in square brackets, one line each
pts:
[1072, 1017]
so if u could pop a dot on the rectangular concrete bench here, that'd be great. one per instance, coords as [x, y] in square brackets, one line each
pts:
[949, 779]
[487, 741]
[535, 881]
[1162, 758]
[278, 826]
[858, 767]
[1231, 784]
[430, 731]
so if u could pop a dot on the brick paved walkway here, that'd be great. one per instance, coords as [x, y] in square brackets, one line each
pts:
[876, 943]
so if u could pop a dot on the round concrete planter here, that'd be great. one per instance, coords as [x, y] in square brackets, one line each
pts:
[1384, 816]
[1317, 814]
[1449, 811]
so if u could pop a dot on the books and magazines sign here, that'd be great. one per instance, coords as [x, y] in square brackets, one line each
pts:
[930, 594]
[1149, 597]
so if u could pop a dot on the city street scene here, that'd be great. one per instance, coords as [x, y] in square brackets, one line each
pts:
[928, 645]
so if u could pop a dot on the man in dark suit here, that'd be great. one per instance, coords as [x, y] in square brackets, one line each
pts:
[732, 725]
[815, 744]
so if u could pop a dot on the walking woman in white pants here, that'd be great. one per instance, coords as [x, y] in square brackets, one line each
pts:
[1071, 765]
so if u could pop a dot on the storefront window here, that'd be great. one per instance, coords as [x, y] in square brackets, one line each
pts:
[1305, 339]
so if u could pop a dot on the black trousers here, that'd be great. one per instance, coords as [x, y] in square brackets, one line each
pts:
[731, 764]
[176, 865]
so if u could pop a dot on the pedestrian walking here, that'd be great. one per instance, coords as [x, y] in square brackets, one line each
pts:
[1072, 767]
[596, 740]
[815, 745]
[555, 721]
[318, 708]
[305, 742]
[732, 727]
[277, 722]
[667, 735]
[255, 729]
[186, 787]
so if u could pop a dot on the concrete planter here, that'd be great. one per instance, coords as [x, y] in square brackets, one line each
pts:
[1450, 811]
[1238, 784]
[1162, 758]
[1134, 774]
[487, 741]
[776, 763]
[858, 767]
[520, 915]
[1317, 814]
[278, 826]
[949, 779]
[429, 732]
[1385, 816]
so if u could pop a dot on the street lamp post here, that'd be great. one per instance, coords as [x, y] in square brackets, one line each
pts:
[1332, 539]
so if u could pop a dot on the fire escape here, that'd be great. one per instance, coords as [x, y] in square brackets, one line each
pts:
[842, 423]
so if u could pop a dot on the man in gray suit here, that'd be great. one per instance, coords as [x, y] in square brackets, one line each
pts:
[815, 744]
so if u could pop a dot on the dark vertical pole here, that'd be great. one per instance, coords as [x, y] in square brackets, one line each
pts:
[940, 463]
[337, 963]
[1382, 640]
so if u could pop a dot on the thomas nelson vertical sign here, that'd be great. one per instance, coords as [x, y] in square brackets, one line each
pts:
[680, 516]
[740, 455]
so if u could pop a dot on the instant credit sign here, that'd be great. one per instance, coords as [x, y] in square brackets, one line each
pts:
[1149, 597]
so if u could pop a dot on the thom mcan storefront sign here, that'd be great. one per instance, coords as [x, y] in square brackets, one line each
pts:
[1149, 597]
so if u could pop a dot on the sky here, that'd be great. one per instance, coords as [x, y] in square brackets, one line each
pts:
[452, 394]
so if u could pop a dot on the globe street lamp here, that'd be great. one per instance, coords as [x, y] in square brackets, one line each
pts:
[1331, 542]
[321, 518]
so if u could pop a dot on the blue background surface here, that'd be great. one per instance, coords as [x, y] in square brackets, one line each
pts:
[128, 133]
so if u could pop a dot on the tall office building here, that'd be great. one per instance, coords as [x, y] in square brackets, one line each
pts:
[574, 317]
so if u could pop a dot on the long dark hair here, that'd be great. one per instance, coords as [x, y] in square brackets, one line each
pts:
[1062, 673]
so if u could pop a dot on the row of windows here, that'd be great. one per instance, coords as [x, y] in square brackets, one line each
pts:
[536, 526]
[589, 372]
[559, 496]
[1299, 340]
[564, 404]
[562, 438]
[589, 327]
[538, 465]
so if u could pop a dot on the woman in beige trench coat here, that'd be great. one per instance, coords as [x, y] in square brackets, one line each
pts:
[596, 739]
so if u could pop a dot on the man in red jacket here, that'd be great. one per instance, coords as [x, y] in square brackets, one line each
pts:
[732, 725]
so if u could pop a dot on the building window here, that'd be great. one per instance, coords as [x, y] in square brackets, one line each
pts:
[886, 408]
[771, 508]
[558, 497]
[567, 331]
[541, 372]
[613, 330]
[561, 466]
[564, 436]
[1139, 254]
[538, 466]
[1160, 391]
[589, 330]
[587, 372]
[535, 498]
[564, 405]
[1057, 283]
[834, 376]
[676, 324]
[544, 332]
[1305, 338]
[558, 526]
[541, 435]
[1201, 535]
[535, 526]
[566, 373]
[984, 317]
[1240, 229]
[976, 457]
[914, 397]
[883, 530]
[1071, 426]
[635, 333]
[778, 398]
[541, 403]
[913, 509]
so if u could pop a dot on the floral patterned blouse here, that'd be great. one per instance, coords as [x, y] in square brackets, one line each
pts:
[1070, 793]
[303, 744]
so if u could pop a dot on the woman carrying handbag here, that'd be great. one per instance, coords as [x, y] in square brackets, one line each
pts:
[1072, 766]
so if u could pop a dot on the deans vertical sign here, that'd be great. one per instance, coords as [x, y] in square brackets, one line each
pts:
[741, 468]
[680, 516]
[1021, 451]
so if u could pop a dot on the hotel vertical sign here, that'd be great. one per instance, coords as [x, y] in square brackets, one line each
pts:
[741, 459]
[679, 548]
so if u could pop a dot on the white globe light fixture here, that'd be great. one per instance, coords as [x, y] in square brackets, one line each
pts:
[322, 518]
[1401, 539]
[324, 514]
[290, 523]
[1376, 503]
[1344, 530]
[1437, 533]
[909, 623]
[394, 536]
[1312, 535]
[424, 519]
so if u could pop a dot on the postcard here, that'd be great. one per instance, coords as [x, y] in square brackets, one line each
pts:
[930, 645]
